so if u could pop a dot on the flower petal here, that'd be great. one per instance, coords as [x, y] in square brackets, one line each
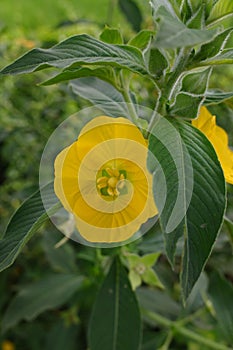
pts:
[219, 139]
[115, 144]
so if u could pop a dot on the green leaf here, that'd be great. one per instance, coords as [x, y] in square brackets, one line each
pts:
[186, 11]
[115, 322]
[195, 5]
[222, 22]
[214, 47]
[196, 83]
[216, 96]
[206, 210]
[208, 6]
[220, 9]
[172, 33]
[229, 42]
[198, 19]
[186, 165]
[135, 279]
[47, 294]
[101, 94]
[186, 105]
[221, 295]
[172, 189]
[142, 39]
[150, 259]
[132, 13]
[78, 50]
[192, 94]
[157, 62]
[166, 4]
[111, 36]
[150, 277]
[225, 57]
[23, 225]
[105, 74]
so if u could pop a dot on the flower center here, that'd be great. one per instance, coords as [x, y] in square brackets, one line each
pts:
[140, 269]
[111, 183]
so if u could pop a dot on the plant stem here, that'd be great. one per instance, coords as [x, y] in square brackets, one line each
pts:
[125, 92]
[178, 69]
[176, 328]
[170, 85]
[158, 108]
[192, 317]
[167, 342]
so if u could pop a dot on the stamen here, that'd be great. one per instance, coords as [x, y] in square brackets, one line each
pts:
[111, 183]
[113, 172]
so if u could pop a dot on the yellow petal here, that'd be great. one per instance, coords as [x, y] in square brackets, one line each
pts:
[219, 139]
[116, 144]
[205, 122]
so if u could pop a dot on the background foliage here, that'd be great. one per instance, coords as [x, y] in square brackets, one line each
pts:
[32, 316]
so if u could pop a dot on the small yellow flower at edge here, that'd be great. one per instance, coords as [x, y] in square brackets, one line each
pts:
[206, 123]
[8, 345]
[102, 179]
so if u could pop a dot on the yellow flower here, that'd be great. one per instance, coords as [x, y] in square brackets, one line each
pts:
[102, 179]
[206, 122]
[8, 345]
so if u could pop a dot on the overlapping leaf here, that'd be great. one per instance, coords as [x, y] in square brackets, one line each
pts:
[115, 323]
[111, 36]
[142, 39]
[204, 205]
[220, 8]
[78, 50]
[191, 95]
[224, 57]
[197, 20]
[214, 47]
[173, 33]
[23, 225]
[101, 94]
[71, 74]
[216, 96]
[157, 62]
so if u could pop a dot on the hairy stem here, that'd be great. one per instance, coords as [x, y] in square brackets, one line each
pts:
[167, 342]
[170, 85]
[126, 94]
[179, 67]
